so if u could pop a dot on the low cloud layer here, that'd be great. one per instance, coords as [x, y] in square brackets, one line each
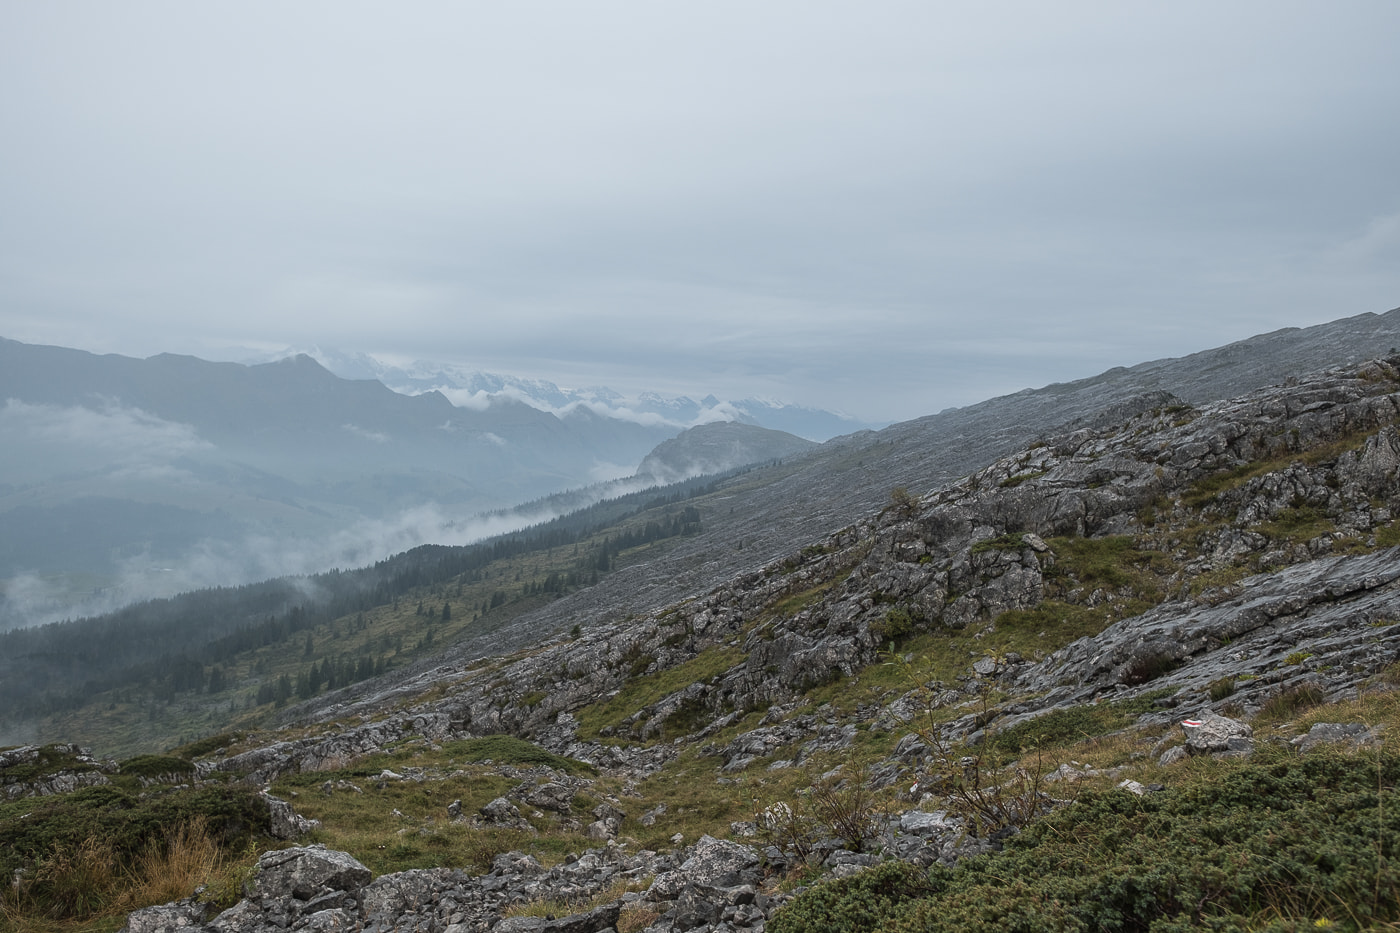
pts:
[621, 409]
[379, 437]
[122, 438]
[31, 599]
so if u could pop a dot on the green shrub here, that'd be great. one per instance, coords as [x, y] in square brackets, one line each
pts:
[1011, 482]
[1287, 703]
[1280, 843]
[857, 904]
[691, 716]
[156, 766]
[1058, 728]
[201, 747]
[1148, 667]
[1222, 688]
[1011, 541]
[894, 626]
[902, 501]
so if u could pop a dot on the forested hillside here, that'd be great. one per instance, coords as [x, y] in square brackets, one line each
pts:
[147, 676]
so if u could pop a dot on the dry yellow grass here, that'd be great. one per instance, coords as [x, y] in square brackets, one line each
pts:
[87, 888]
[636, 917]
[190, 858]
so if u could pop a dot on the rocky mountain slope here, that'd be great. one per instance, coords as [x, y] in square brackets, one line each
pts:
[117, 449]
[283, 449]
[756, 519]
[1204, 565]
[1156, 581]
[1283, 559]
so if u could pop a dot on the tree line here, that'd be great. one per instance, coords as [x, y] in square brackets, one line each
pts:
[184, 644]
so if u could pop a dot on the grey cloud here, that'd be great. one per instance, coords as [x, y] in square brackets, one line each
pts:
[379, 437]
[661, 192]
[128, 439]
[29, 599]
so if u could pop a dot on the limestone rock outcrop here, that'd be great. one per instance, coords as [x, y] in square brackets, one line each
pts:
[45, 770]
[1251, 566]
[969, 551]
[317, 889]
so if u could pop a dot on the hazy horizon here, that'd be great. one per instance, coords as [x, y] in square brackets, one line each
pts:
[885, 210]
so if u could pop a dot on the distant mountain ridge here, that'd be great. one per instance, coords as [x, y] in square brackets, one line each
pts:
[337, 425]
[172, 472]
[473, 388]
[715, 448]
[392, 471]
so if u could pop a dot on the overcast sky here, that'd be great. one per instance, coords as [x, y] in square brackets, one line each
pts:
[885, 208]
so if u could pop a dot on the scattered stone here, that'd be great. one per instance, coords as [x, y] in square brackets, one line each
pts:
[1173, 755]
[923, 824]
[986, 666]
[286, 822]
[301, 874]
[714, 863]
[1353, 734]
[178, 917]
[1213, 734]
[550, 796]
[501, 812]
[744, 829]
[609, 813]
[1071, 772]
